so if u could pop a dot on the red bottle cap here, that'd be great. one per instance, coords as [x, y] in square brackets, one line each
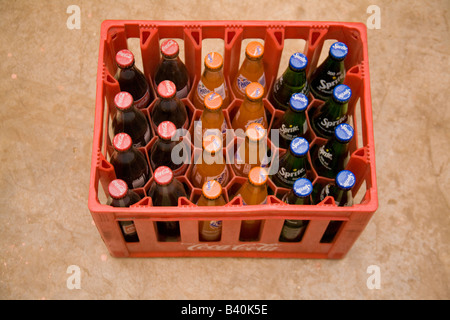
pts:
[123, 100]
[124, 58]
[117, 189]
[169, 48]
[122, 142]
[163, 175]
[167, 89]
[166, 130]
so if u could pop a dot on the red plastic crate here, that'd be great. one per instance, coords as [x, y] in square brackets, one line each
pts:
[114, 35]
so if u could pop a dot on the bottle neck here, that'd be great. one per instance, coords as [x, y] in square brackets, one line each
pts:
[252, 105]
[293, 77]
[215, 75]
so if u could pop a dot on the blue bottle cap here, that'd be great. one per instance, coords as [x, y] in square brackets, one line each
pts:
[338, 50]
[345, 179]
[344, 132]
[342, 93]
[298, 102]
[302, 187]
[299, 146]
[298, 61]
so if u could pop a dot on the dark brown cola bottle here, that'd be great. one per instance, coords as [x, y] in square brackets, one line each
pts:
[132, 80]
[129, 163]
[172, 68]
[131, 120]
[121, 196]
[168, 107]
[165, 191]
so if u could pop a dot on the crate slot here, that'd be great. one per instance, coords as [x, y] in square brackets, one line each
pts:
[331, 231]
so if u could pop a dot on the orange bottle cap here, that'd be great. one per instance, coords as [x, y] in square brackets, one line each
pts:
[255, 132]
[254, 50]
[254, 91]
[213, 61]
[258, 176]
[167, 89]
[123, 100]
[213, 101]
[169, 48]
[117, 189]
[124, 58]
[211, 189]
[122, 142]
[212, 143]
[166, 130]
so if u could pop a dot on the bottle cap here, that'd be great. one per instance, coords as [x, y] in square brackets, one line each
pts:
[345, 179]
[298, 102]
[254, 50]
[257, 176]
[255, 132]
[117, 189]
[213, 61]
[213, 101]
[254, 91]
[167, 89]
[211, 189]
[169, 48]
[302, 187]
[163, 175]
[342, 93]
[166, 130]
[123, 100]
[299, 146]
[344, 132]
[338, 50]
[124, 58]
[122, 142]
[212, 143]
[298, 61]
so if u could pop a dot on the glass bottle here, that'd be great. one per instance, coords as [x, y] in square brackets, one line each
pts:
[332, 112]
[131, 120]
[212, 118]
[300, 194]
[132, 80]
[212, 164]
[121, 196]
[292, 80]
[129, 163]
[330, 73]
[168, 107]
[211, 196]
[252, 152]
[212, 80]
[293, 123]
[340, 190]
[161, 152]
[251, 70]
[330, 158]
[293, 164]
[165, 191]
[172, 68]
[252, 108]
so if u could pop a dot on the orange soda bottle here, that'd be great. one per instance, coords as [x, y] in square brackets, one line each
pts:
[253, 192]
[211, 196]
[252, 152]
[212, 163]
[251, 109]
[212, 118]
[212, 80]
[251, 70]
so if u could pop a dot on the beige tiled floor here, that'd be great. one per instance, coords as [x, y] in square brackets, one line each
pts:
[47, 82]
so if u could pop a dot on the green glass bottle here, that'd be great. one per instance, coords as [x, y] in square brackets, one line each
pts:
[293, 164]
[293, 123]
[332, 112]
[340, 189]
[292, 80]
[328, 159]
[300, 194]
[330, 73]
